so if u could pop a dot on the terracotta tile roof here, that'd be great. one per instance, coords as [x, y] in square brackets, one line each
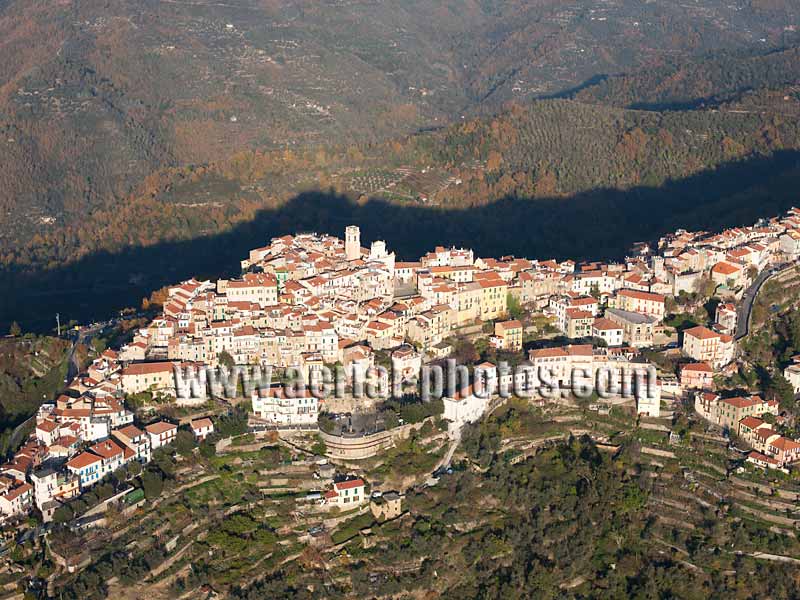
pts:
[48, 426]
[603, 324]
[701, 332]
[739, 402]
[639, 295]
[17, 492]
[585, 301]
[785, 444]
[751, 422]
[84, 459]
[548, 353]
[130, 431]
[757, 456]
[147, 368]
[160, 427]
[204, 423]
[725, 268]
[764, 433]
[106, 449]
[346, 485]
[698, 366]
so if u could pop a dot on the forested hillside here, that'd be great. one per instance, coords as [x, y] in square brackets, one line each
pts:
[32, 370]
[147, 142]
[690, 83]
[552, 178]
[95, 96]
[561, 148]
[546, 149]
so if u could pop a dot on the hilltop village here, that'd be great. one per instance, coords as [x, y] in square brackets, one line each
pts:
[308, 300]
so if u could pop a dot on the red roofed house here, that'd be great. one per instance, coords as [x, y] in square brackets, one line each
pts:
[561, 305]
[646, 303]
[725, 317]
[161, 433]
[155, 376]
[762, 460]
[703, 344]
[508, 335]
[112, 454]
[261, 288]
[578, 323]
[346, 493]
[560, 363]
[135, 439]
[608, 330]
[749, 424]
[784, 450]
[17, 500]
[728, 274]
[87, 466]
[202, 428]
[277, 407]
[733, 410]
[47, 432]
[697, 376]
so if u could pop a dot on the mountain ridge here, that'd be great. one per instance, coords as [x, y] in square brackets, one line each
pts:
[97, 96]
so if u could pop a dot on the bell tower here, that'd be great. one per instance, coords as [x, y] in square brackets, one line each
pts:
[352, 242]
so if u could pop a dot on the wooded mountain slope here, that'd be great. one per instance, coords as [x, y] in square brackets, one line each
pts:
[689, 83]
[95, 95]
[553, 178]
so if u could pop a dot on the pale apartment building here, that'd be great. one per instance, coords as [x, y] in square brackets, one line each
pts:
[706, 345]
[278, 406]
[149, 376]
[637, 328]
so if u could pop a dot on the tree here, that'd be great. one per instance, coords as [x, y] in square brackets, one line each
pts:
[514, 307]
[152, 484]
[233, 423]
[226, 359]
[464, 351]
[184, 442]
[63, 514]
[15, 330]
[208, 448]
[780, 389]
[494, 161]
[119, 476]
[705, 287]
[99, 345]
[319, 448]
[134, 468]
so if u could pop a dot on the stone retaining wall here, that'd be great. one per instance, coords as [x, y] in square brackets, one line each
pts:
[367, 446]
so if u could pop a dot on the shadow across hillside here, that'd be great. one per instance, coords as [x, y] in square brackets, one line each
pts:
[571, 92]
[600, 224]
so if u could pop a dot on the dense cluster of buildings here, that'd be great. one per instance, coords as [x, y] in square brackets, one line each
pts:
[619, 372]
[753, 420]
[85, 435]
[308, 300]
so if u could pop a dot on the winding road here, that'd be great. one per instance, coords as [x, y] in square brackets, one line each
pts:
[745, 307]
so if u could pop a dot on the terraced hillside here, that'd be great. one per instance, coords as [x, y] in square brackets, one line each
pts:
[545, 500]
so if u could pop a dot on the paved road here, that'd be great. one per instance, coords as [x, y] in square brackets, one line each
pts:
[72, 366]
[746, 304]
[84, 337]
